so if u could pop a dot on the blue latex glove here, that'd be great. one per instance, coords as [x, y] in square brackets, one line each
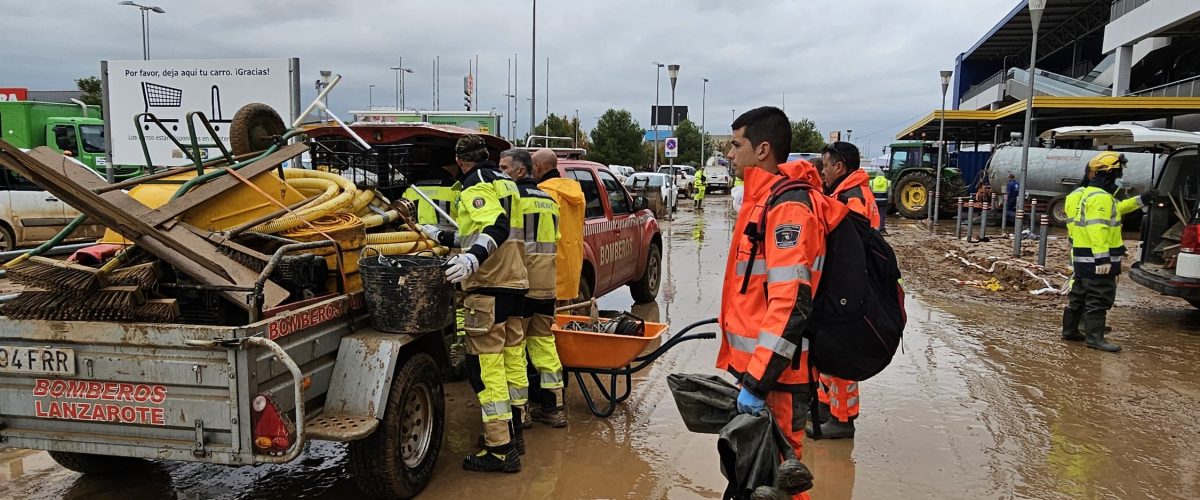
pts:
[748, 402]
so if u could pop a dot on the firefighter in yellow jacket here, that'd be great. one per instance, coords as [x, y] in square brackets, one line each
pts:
[491, 270]
[539, 228]
[1097, 249]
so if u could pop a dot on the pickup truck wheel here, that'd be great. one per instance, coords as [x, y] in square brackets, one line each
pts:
[645, 289]
[396, 461]
[86, 463]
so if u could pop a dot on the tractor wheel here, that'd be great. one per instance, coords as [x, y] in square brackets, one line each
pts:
[255, 127]
[913, 194]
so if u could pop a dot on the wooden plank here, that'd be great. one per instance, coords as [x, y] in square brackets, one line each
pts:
[215, 187]
[190, 254]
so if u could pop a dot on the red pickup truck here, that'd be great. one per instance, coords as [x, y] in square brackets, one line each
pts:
[621, 244]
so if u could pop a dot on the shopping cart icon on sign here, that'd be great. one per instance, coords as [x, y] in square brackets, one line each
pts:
[161, 96]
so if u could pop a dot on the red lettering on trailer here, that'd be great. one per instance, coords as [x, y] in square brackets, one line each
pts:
[112, 413]
[293, 323]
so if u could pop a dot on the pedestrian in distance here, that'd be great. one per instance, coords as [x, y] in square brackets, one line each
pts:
[491, 270]
[1012, 189]
[879, 187]
[537, 224]
[850, 185]
[1097, 249]
[772, 272]
[698, 190]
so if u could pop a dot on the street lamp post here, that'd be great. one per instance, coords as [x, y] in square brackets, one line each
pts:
[400, 70]
[1035, 17]
[654, 119]
[673, 74]
[934, 213]
[146, 9]
[370, 96]
[703, 101]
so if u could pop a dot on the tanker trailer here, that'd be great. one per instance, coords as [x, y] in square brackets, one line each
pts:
[1055, 172]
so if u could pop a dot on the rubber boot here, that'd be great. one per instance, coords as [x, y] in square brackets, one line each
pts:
[833, 429]
[1070, 325]
[516, 428]
[823, 415]
[501, 458]
[1093, 329]
[553, 415]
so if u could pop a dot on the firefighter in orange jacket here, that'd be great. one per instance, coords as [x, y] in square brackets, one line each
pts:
[772, 272]
[850, 185]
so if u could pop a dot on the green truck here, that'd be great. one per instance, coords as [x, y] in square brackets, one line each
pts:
[63, 127]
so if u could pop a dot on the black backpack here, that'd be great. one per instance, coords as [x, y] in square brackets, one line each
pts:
[858, 313]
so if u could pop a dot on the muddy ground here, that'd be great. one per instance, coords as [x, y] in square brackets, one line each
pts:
[983, 401]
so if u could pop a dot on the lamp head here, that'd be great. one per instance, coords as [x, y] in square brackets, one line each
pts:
[946, 80]
[126, 2]
[158, 10]
[673, 71]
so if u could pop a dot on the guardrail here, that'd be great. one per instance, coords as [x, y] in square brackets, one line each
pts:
[1121, 7]
[1189, 87]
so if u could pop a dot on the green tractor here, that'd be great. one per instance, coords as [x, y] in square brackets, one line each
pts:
[912, 171]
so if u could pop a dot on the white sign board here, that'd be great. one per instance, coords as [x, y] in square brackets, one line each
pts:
[172, 88]
[671, 147]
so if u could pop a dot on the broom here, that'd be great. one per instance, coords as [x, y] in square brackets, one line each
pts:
[68, 277]
[114, 303]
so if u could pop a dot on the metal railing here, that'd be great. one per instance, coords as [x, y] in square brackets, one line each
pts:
[1189, 87]
[978, 88]
[1121, 7]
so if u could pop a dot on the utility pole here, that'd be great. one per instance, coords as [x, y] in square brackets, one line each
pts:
[703, 101]
[546, 128]
[533, 74]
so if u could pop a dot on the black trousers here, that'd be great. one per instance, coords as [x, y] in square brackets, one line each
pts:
[1088, 305]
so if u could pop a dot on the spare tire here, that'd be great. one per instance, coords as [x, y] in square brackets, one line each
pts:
[255, 127]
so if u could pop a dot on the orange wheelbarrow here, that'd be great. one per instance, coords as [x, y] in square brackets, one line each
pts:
[613, 355]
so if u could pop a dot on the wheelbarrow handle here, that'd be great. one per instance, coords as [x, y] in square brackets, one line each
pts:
[710, 321]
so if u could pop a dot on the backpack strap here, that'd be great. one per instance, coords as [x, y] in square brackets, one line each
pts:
[756, 231]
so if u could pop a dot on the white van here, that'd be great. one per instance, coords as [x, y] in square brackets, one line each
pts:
[29, 215]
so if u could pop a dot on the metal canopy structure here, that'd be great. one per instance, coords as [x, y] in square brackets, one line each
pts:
[1063, 22]
[1049, 112]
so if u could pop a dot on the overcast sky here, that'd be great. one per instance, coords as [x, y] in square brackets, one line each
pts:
[866, 65]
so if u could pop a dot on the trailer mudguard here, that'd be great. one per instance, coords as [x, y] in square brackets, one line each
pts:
[362, 376]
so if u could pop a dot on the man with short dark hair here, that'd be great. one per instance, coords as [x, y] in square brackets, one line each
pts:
[772, 272]
[849, 184]
[491, 271]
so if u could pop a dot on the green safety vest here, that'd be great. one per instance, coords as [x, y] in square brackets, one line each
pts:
[537, 226]
[1094, 228]
[879, 184]
[442, 192]
[486, 209]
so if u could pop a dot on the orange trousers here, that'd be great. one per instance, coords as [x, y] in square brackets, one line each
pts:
[840, 395]
[790, 410]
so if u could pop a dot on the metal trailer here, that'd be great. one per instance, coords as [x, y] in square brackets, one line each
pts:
[91, 391]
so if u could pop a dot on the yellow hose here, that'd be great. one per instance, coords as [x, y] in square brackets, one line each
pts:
[375, 220]
[312, 212]
[362, 201]
[407, 248]
[311, 187]
[396, 237]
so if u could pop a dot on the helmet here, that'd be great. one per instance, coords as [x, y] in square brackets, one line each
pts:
[1107, 161]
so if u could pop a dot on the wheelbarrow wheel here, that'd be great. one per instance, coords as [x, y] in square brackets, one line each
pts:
[255, 128]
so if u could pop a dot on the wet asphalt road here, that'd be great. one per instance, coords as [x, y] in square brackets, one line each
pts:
[983, 402]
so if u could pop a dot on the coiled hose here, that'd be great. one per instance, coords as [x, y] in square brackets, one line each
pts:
[311, 212]
[409, 247]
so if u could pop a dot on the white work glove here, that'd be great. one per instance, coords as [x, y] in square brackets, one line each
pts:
[1103, 269]
[460, 267]
[431, 231]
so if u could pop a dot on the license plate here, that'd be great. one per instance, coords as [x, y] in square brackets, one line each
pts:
[39, 360]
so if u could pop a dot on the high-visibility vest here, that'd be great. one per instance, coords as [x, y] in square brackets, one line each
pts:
[853, 191]
[443, 192]
[879, 185]
[485, 210]
[537, 224]
[1094, 227]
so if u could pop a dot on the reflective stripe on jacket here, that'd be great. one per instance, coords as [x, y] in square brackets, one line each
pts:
[569, 264]
[485, 209]
[855, 192]
[1094, 228]
[443, 192]
[764, 321]
[537, 225]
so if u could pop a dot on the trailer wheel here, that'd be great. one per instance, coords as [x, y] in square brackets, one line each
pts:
[254, 128]
[1058, 211]
[397, 460]
[914, 192]
[86, 463]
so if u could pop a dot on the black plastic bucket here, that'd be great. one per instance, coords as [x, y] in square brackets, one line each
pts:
[406, 293]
